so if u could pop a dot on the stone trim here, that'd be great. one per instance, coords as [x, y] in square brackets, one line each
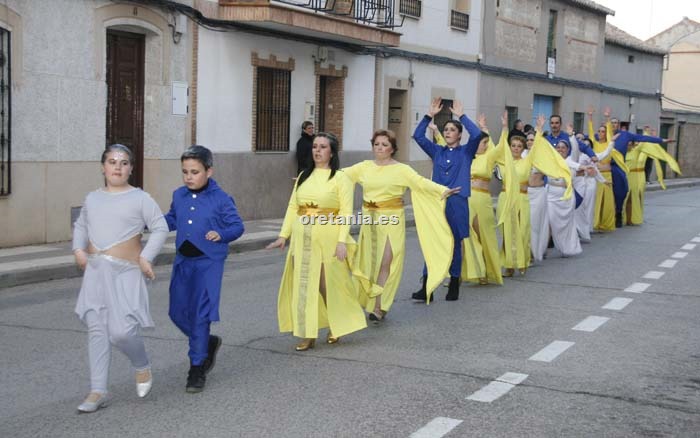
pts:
[271, 62]
[330, 71]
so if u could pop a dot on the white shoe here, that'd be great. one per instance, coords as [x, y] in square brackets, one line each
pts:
[91, 406]
[142, 389]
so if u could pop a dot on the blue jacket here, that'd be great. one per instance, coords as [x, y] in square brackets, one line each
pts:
[193, 215]
[451, 166]
[625, 137]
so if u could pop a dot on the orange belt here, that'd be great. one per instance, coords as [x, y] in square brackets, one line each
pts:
[480, 184]
[523, 188]
[637, 170]
[604, 167]
[391, 204]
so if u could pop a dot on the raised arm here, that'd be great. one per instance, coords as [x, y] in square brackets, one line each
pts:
[419, 136]
[591, 132]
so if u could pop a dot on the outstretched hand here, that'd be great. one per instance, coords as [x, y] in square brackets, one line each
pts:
[570, 128]
[435, 106]
[457, 108]
[449, 192]
[590, 111]
[504, 119]
[541, 120]
[279, 243]
[481, 121]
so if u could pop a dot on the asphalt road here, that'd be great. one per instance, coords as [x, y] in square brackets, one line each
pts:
[428, 370]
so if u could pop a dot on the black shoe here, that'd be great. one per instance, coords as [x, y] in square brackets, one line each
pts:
[214, 345]
[618, 220]
[422, 294]
[196, 379]
[453, 290]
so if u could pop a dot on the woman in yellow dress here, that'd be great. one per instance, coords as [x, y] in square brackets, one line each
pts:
[482, 262]
[515, 251]
[604, 214]
[382, 243]
[316, 290]
[637, 154]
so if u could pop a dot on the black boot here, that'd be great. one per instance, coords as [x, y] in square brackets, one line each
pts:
[422, 294]
[213, 348]
[196, 379]
[453, 289]
[618, 220]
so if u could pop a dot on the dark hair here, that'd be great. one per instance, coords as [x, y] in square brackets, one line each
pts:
[117, 148]
[335, 159]
[516, 122]
[306, 124]
[588, 141]
[528, 128]
[553, 116]
[199, 153]
[388, 133]
[456, 123]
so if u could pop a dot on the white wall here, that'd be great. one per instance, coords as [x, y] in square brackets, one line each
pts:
[225, 90]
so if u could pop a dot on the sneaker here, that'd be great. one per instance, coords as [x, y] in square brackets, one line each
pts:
[214, 345]
[196, 379]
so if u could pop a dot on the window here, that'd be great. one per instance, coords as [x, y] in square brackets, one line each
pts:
[273, 93]
[666, 59]
[512, 115]
[630, 59]
[459, 16]
[412, 8]
[552, 35]
[578, 122]
[5, 111]
[444, 115]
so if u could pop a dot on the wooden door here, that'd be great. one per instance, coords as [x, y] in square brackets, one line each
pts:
[125, 77]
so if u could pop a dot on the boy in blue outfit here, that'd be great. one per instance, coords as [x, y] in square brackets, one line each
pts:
[206, 220]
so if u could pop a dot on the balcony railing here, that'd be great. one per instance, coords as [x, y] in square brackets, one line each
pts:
[459, 20]
[378, 13]
[412, 8]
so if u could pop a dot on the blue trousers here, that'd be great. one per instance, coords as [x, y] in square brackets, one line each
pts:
[457, 214]
[620, 186]
[190, 302]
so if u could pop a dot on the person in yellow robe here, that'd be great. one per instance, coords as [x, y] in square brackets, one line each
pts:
[515, 250]
[317, 290]
[378, 263]
[604, 213]
[637, 154]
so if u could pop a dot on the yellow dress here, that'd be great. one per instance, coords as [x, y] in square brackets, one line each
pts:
[383, 188]
[636, 159]
[481, 258]
[604, 213]
[300, 307]
[515, 251]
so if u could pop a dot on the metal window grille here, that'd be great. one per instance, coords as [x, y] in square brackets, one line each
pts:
[578, 122]
[412, 8]
[5, 106]
[379, 13]
[272, 109]
[552, 35]
[459, 20]
[512, 115]
[444, 115]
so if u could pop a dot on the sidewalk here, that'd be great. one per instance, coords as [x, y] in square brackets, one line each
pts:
[37, 263]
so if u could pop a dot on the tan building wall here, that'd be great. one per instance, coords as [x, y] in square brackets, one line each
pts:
[680, 79]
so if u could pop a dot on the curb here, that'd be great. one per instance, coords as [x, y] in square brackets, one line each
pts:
[669, 185]
[166, 257]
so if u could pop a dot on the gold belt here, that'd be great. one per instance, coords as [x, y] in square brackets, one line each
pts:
[314, 210]
[604, 167]
[480, 184]
[637, 170]
[523, 188]
[390, 204]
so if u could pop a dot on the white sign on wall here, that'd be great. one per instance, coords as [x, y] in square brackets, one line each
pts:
[551, 66]
[180, 93]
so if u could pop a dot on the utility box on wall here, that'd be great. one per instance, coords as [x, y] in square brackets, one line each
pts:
[180, 94]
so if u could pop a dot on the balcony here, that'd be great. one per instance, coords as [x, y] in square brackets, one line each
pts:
[366, 23]
[459, 21]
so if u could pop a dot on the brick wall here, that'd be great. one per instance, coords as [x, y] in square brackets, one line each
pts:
[334, 110]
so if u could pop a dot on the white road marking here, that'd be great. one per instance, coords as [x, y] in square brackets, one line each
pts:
[688, 247]
[590, 324]
[695, 239]
[498, 388]
[637, 288]
[551, 351]
[679, 255]
[617, 303]
[438, 427]
[653, 275]
[668, 263]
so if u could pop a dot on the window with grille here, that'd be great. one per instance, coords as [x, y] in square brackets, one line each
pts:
[412, 8]
[578, 122]
[444, 115]
[273, 95]
[5, 102]
[512, 115]
[552, 35]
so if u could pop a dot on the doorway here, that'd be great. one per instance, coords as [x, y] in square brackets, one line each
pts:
[125, 93]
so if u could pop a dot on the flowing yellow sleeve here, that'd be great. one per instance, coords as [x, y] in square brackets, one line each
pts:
[548, 161]
[511, 183]
[353, 172]
[591, 132]
[439, 139]
[345, 193]
[291, 214]
[659, 173]
[619, 160]
[434, 233]
[609, 131]
[497, 153]
[657, 152]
